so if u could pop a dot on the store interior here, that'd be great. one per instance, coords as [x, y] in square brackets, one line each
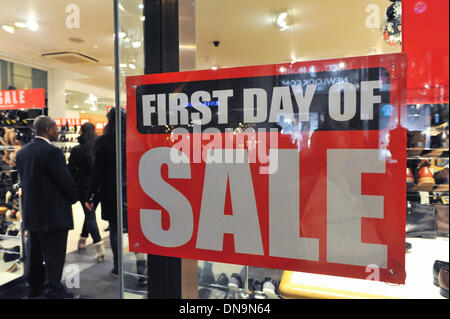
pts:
[68, 49]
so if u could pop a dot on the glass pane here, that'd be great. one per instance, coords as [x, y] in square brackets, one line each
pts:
[283, 35]
[21, 70]
[279, 32]
[131, 52]
[21, 82]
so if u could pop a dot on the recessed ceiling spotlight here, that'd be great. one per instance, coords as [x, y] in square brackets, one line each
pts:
[136, 44]
[32, 24]
[76, 40]
[143, 18]
[21, 25]
[132, 66]
[8, 28]
[141, 6]
[283, 20]
[76, 106]
[122, 35]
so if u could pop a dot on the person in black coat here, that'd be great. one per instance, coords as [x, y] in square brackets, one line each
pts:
[48, 192]
[103, 184]
[81, 166]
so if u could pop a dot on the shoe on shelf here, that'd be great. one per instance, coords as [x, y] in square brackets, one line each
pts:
[82, 243]
[442, 220]
[408, 246]
[206, 274]
[222, 280]
[100, 249]
[235, 282]
[416, 143]
[438, 264]
[420, 221]
[441, 179]
[424, 175]
[12, 268]
[443, 282]
[269, 288]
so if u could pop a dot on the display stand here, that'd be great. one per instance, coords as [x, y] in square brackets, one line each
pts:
[418, 284]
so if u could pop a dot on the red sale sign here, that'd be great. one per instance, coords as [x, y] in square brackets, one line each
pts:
[22, 99]
[289, 166]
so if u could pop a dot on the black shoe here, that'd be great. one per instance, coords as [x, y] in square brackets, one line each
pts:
[222, 280]
[235, 282]
[114, 273]
[206, 275]
[408, 246]
[438, 264]
[420, 221]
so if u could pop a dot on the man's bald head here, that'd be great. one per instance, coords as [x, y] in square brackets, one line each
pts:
[46, 127]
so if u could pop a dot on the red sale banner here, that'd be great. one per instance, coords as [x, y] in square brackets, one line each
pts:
[22, 99]
[69, 121]
[296, 166]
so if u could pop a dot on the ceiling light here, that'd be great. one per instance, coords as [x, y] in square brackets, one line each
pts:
[8, 28]
[92, 98]
[123, 65]
[95, 46]
[93, 108]
[121, 7]
[132, 66]
[214, 68]
[141, 6]
[122, 35]
[136, 44]
[143, 18]
[32, 25]
[76, 106]
[283, 20]
[21, 25]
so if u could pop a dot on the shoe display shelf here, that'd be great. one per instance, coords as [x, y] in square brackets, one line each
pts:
[67, 140]
[419, 262]
[427, 189]
[228, 281]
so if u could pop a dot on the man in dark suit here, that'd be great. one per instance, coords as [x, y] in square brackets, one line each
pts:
[48, 192]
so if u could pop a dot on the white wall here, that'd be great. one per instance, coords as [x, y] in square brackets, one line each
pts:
[60, 80]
